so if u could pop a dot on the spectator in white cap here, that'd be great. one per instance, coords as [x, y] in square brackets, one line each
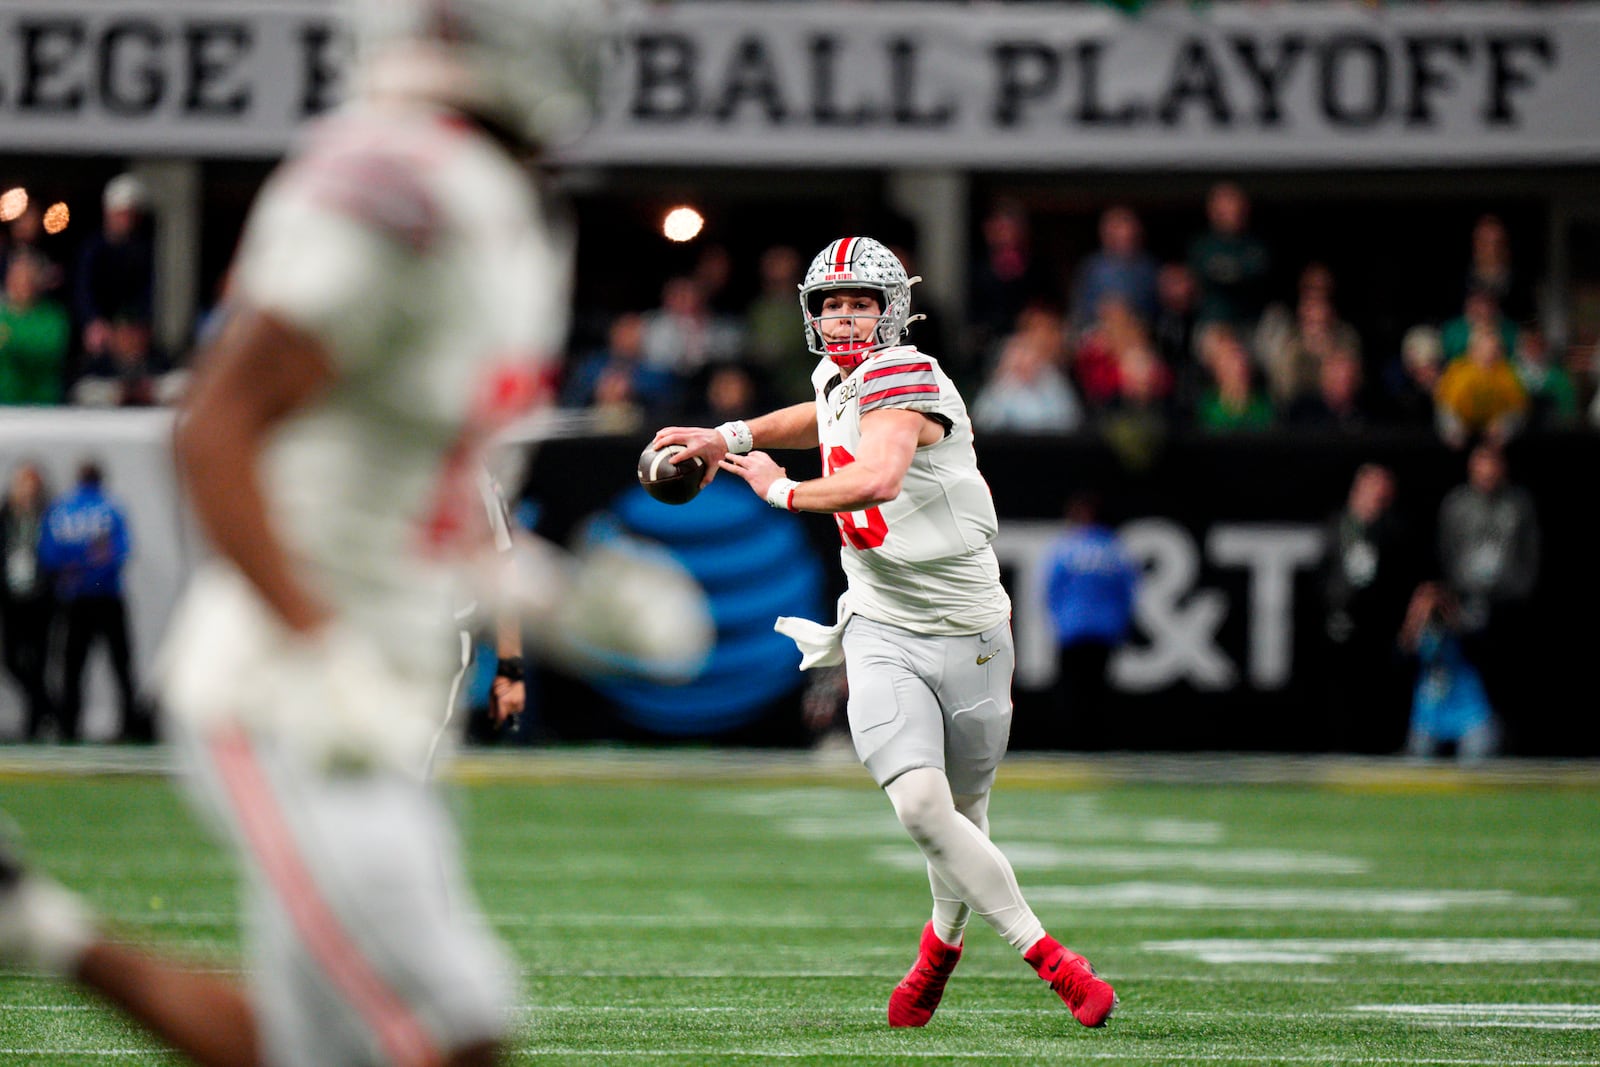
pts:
[116, 270]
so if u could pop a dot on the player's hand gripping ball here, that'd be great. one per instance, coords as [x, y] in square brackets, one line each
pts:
[669, 482]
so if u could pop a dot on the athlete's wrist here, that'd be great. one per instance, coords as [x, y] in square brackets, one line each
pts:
[737, 436]
[510, 668]
[780, 494]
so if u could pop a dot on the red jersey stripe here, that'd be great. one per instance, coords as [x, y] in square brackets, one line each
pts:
[902, 368]
[884, 394]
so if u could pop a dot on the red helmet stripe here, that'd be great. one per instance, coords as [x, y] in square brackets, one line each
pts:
[841, 257]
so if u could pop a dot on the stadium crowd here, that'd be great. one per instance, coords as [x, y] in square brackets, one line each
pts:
[1130, 345]
[1120, 343]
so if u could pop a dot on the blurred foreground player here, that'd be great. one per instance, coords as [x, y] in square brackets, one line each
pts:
[924, 627]
[397, 286]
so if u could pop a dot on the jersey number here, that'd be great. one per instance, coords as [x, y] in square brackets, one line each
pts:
[859, 529]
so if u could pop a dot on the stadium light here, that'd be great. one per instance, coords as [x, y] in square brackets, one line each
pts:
[13, 202]
[682, 224]
[56, 218]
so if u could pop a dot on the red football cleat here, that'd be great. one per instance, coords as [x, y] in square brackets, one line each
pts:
[1090, 998]
[913, 1001]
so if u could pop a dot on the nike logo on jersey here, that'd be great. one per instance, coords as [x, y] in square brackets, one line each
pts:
[842, 400]
[985, 659]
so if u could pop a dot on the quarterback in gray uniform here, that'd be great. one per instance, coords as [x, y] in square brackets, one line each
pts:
[924, 627]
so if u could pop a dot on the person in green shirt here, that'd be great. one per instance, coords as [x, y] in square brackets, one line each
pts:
[1230, 263]
[34, 334]
[1232, 403]
[1552, 394]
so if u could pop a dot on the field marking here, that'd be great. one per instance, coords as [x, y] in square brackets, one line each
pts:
[1076, 1055]
[164, 1054]
[710, 920]
[1193, 897]
[54, 1007]
[1407, 950]
[1494, 1016]
[1119, 976]
[1204, 861]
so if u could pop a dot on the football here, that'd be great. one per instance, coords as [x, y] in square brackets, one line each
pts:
[667, 481]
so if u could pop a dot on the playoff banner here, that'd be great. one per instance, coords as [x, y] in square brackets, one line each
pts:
[852, 85]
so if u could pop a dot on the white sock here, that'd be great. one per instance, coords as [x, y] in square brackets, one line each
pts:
[960, 856]
[950, 912]
[43, 927]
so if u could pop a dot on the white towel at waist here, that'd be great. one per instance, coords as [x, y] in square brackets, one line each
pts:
[820, 646]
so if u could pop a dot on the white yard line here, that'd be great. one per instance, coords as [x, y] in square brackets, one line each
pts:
[1300, 951]
[1075, 1055]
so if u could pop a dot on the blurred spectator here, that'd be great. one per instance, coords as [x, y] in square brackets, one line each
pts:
[930, 328]
[1479, 314]
[1005, 277]
[1091, 584]
[1135, 425]
[1480, 395]
[713, 269]
[34, 336]
[1292, 350]
[615, 405]
[774, 343]
[1366, 578]
[1489, 549]
[1098, 363]
[615, 378]
[1173, 331]
[1120, 268]
[725, 392]
[1552, 397]
[1337, 402]
[1229, 263]
[682, 336]
[1411, 380]
[84, 547]
[130, 372]
[1490, 270]
[1027, 392]
[1232, 402]
[26, 605]
[1449, 705]
[25, 237]
[1044, 322]
[116, 269]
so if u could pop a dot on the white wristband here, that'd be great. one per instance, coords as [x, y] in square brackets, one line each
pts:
[780, 494]
[738, 437]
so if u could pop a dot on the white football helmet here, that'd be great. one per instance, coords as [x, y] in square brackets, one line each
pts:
[857, 263]
[531, 67]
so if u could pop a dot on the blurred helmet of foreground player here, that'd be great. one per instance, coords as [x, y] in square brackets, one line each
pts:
[529, 68]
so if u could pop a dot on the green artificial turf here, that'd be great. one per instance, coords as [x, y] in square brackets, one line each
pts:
[726, 919]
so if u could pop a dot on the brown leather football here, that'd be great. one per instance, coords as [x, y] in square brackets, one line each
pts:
[669, 482]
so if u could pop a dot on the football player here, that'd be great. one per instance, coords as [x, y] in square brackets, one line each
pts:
[398, 284]
[924, 627]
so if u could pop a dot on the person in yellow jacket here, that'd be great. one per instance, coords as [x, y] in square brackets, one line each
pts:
[1480, 394]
